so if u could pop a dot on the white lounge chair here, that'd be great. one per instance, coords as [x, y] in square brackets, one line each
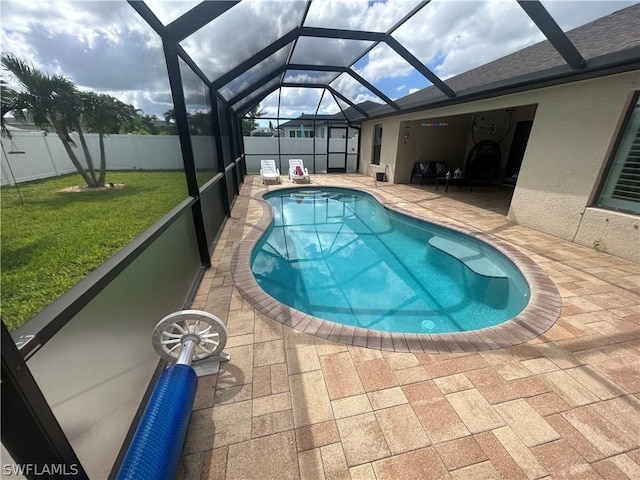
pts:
[269, 172]
[297, 171]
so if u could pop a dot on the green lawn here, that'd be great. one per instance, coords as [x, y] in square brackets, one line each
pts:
[55, 239]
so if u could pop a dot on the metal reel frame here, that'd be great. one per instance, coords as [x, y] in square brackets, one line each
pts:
[176, 330]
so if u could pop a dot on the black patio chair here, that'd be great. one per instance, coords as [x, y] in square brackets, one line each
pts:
[428, 170]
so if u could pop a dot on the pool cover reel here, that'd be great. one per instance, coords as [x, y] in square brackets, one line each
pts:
[181, 337]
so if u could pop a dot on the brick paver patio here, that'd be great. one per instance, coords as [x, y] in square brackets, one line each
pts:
[291, 405]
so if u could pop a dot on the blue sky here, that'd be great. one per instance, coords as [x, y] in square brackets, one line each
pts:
[105, 45]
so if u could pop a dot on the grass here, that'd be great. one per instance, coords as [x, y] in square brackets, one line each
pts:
[55, 239]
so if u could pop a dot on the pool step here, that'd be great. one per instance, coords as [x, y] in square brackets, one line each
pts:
[473, 259]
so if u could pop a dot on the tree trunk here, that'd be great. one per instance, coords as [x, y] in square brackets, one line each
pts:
[76, 163]
[87, 156]
[103, 161]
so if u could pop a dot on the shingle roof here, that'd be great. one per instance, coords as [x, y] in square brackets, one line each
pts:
[306, 120]
[351, 113]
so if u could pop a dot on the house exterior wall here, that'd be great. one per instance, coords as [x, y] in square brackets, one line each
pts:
[287, 130]
[337, 131]
[573, 134]
[321, 131]
[390, 133]
[366, 147]
[571, 141]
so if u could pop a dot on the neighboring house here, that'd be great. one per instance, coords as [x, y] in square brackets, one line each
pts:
[305, 127]
[264, 132]
[322, 126]
[569, 142]
[334, 149]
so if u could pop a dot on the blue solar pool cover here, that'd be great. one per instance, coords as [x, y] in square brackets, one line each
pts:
[155, 450]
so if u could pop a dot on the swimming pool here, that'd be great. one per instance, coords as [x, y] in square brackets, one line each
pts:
[339, 255]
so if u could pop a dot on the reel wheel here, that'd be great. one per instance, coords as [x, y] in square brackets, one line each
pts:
[206, 330]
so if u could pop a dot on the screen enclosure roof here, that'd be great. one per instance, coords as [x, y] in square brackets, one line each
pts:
[351, 51]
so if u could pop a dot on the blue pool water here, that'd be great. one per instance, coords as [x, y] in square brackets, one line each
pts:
[338, 254]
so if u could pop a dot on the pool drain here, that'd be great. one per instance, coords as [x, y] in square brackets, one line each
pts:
[428, 324]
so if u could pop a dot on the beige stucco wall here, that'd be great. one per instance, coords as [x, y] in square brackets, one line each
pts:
[573, 132]
[390, 132]
[366, 147]
[612, 232]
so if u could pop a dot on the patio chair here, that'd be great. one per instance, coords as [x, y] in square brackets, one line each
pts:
[297, 171]
[269, 172]
[428, 170]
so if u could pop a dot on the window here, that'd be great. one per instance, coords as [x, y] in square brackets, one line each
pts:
[321, 132]
[301, 134]
[377, 144]
[621, 187]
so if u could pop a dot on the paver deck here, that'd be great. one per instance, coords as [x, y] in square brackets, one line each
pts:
[565, 404]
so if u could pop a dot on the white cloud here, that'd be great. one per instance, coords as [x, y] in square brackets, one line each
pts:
[293, 101]
[570, 14]
[358, 14]
[241, 32]
[384, 62]
[350, 88]
[452, 37]
[464, 34]
[102, 46]
[168, 10]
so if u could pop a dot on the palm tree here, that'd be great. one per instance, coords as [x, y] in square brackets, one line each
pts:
[7, 97]
[103, 114]
[147, 124]
[249, 122]
[200, 123]
[170, 117]
[53, 101]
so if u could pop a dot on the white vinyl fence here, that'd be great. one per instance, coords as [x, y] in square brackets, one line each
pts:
[263, 148]
[34, 155]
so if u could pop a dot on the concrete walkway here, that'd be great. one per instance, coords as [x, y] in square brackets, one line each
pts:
[291, 405]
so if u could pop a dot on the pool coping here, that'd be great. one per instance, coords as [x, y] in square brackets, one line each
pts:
[539, 315]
